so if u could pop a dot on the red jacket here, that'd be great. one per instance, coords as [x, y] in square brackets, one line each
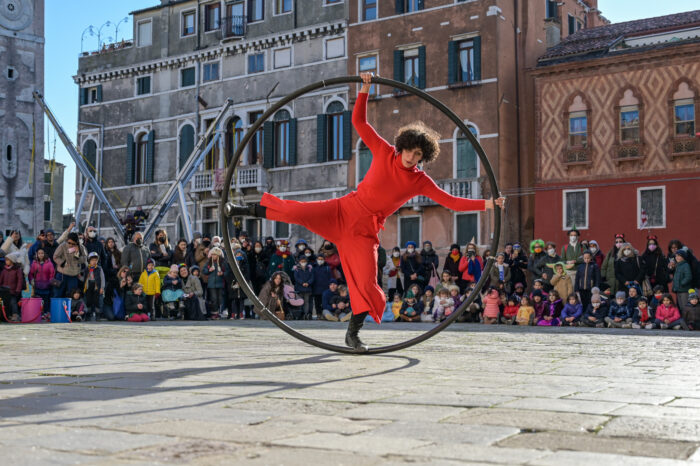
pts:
[12, 278]
[464, 267]
[42, 274]
[510, 311]
[671, 312]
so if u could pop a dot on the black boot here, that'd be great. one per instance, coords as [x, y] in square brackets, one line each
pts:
[351, 337]
[253, 210]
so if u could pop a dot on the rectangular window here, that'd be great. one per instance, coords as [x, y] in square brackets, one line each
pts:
[410, 67]
[188, 23]
[467, 228]
[210, 72]
[255, 149]
[143, 85]
[282, 58]
[465, 68]
[411, 5]
[578, 129]
[47, 177]
[572, 24]
[283, 6]
[409, 230]
[256, 62]
[369, 10]
[685, 117]
[47, 211]
[335, 48]
[187, 77]
[212, 17]
[335, 136]
[629, 124]
[368, 64]
[551, 12]
[575, 209]
[210, 223]
[651, 211]
[256, 10]
[144, 31]
[364, 160]
[281, 230]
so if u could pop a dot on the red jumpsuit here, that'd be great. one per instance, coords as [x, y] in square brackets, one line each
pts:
[353, 221]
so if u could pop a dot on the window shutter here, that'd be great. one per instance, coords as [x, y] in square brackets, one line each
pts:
[293, 141]
[83, 95]
[347, 135]
[150, 149]
[321, 138]
[250, 11]
[452, 60]
[398, 66]
[99, 93]
[477, 58]
[268, 144]
[130, 159]
[421, 67]
[399, 7]
[420, 4]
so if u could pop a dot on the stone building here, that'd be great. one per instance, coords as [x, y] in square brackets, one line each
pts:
[148, 100]
[616, 120]
[21, 120]
[472, 56]
[53, 195]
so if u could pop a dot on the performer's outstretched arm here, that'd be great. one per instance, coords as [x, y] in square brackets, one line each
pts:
[359, 120]
[430, 189]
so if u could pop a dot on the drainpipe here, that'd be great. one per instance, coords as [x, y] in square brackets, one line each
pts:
[517, 115]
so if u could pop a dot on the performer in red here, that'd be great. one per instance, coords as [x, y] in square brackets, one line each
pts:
[353, 221]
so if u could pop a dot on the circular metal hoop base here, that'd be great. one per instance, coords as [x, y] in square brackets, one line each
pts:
[249, 291]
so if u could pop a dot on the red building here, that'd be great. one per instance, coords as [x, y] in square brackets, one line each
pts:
[616, 113]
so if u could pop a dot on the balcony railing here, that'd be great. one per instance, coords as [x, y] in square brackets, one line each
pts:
[233, 26]
[459, 187]
[213, 180]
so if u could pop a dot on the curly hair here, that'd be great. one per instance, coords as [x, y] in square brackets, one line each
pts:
[417, 135]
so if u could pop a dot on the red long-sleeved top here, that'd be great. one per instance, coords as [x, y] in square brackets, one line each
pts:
[388, 184]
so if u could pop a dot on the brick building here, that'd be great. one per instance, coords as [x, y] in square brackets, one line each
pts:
[616, 116]
[471, 55]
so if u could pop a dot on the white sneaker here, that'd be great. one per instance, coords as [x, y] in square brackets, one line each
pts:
[649, 326]
[676, 327]
[636, 326]
[664, 326]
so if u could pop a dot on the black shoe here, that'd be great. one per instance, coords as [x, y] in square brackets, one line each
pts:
[352, 338]
[253, 210]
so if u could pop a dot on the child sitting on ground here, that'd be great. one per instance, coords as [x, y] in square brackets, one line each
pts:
[411, 309]
[510, 312]
[526, 313]
[572, 311]
[77, 306]
[538, 304]
[552, 310]
[596, 312]
[341, 306]
[691, 311]
[619, 315]
[492, 301]
[396, 305]
[668, 316]
[429, 303]
[642, 317]
[519, 291]
[444, 305]
[136, 305]
[173, 293]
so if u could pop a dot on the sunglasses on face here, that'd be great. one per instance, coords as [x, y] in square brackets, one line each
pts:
[71, 243]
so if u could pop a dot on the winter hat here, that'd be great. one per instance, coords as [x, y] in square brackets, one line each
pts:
[216, 239]
[692, 295]
[282, 242]
[595, 290]
[592, 242]
[215, 251]
[333, 281]
[174, 268]
[409, 294]
[184, 266]
[682, 253]
[14, 257]
[454, 246]
[196, 235]
[429, 288]
[595, 298]
[537, 293]
[93, 254]
[49, 230]
[427, 242]
[193, 268]
[620, 294]
[536, 243]
[519, 285]
[410, 243]
[300, 241]
[150, 261]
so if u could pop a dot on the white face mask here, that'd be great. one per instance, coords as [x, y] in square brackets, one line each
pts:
[258, 249]
[92, 234]
[307, 254]
[303, 264]
[551, 252]
[594, 250]
[396, 254]
[627, 252]
[320, 262]
[283, 248]
[410, 250]
[573, 239]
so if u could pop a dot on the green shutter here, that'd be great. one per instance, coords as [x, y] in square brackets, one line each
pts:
[452, 61]
[130, 159]
[421, 67]
[347, 135]
[398, 66]
[321, 138]
[293, 141]
[268, 144]
[150, 150]
[186, 144]
[83, 93]
[399, 7]
[421, 4]
[477, 58]
[99, 93]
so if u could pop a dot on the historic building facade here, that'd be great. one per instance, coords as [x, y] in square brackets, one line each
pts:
[53, 195]
[147, 102]
[616, 122]
[21, 119]
[471, 55]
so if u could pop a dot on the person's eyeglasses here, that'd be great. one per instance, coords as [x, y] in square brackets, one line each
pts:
[71, 243]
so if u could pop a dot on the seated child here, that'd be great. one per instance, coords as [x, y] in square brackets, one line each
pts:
[552, 310]
[411, 309]
[492, 301]
[396, 305]
[526, 313]
[444, 305]
[619, 315]
[668, 316]
[634, 292]
[173, 294]
[77, 306]
[136, 305]
[642, 317]
[538, 285]
[571, 314]
[429, 303]
[538, 303]
[519, 291]
[341, 309]
[596, 312]
[510, 312]
[691, 311]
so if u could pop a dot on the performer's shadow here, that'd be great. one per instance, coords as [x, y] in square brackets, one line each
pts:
[58, 391]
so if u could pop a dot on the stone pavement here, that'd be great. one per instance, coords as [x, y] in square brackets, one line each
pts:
[246, 393]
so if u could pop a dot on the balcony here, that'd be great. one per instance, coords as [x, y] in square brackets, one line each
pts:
[684, 145]
[580, 155]
[460, 188]
[233, 27]
[628, 152]
[213, 180]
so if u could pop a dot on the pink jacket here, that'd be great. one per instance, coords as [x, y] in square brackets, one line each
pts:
[42, 274]
[671, 312]
[491, 307]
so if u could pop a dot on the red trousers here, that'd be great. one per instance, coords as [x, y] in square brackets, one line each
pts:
[353, 228]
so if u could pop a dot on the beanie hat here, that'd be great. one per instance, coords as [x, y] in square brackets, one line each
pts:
[692, 295]
[519, 285]
[620, 294]
[595, 290]
[333, 281]
[537, 293]
[151, 261]
[409, 294]
[429, 288]
[595, 298]
[410, 243]
[193, 268]
[174, 268]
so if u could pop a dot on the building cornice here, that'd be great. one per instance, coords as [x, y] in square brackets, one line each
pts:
[223, 49]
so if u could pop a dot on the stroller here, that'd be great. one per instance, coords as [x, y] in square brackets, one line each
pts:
[293, 304]
[173, 303]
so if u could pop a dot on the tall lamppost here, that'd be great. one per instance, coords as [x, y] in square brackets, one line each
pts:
[116, 28]
[99, 34]
[89, 29]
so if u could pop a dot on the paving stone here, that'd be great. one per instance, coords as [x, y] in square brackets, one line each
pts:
[490, 454]
[556, 441]
[362, 443]
[580, 458]
[565, 405]
[686, 402]
[670, 412]
[622, 397]
[444, 433]
[647, 427]
[21, 455]
[527, 419]
[396, 412]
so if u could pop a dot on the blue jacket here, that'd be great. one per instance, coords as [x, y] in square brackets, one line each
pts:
[326, 298]
[587, 277]
[571, 311]
[621, 311]
[302, 276]
[599, 314]
[322, 278]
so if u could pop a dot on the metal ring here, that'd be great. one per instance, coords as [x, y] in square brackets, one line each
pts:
[227, 237]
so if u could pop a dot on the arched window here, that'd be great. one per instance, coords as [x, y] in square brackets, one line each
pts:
[466, 157]
[234, 134]
[629, 114]
[90, 155]
[141, 157]
[578, 123]
[335, 131]
[684, 111]
[282, 119]
[185, 144]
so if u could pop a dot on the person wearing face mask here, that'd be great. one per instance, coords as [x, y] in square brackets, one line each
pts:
[628, 266]
[161, 251]
[299, 247]
[92, 244]
[654, 263]
[282, 261]
[392, 269]
[330, 253]
[536, 261]
[412, 266]
[598, 256]
[471, 264]
[258, 262]
[136, 255]
[517, 261]
[572, 252]
[269, 247]
[551, 257]
[71, 259]
[607, 272]
[430, 262]
[451, 265]
[303, 285]
[322, 278]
